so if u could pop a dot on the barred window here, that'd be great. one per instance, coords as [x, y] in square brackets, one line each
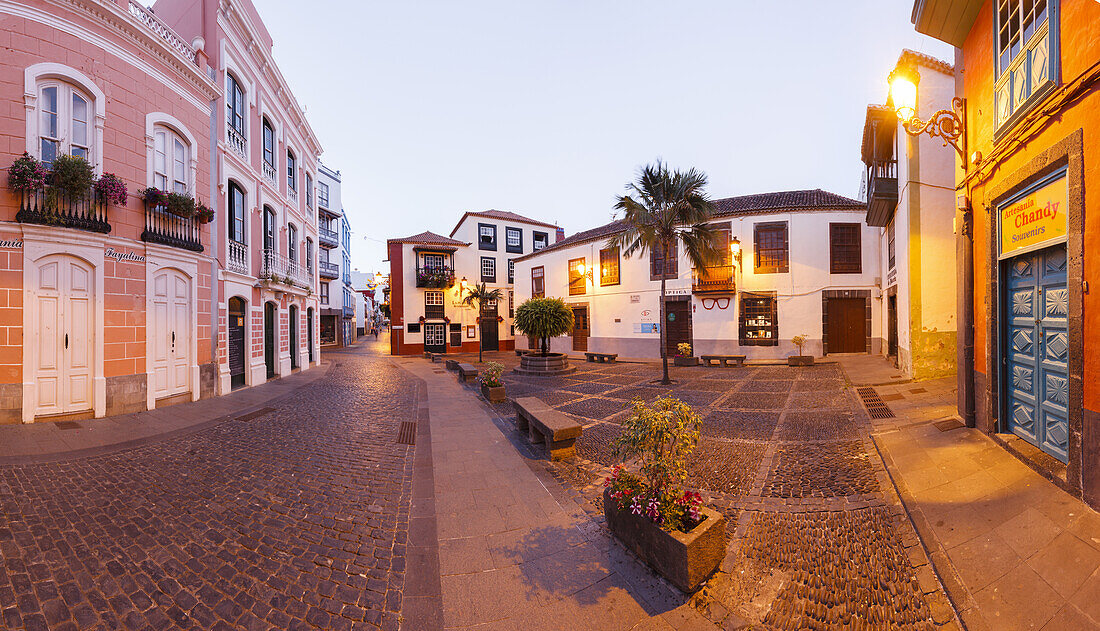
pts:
[538, 287]
[771, 248]
[576, 277]
[845, 255]
[609, 267]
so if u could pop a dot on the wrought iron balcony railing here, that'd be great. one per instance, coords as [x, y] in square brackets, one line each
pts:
[717, 279]
[52, 206]
[165, 228]
[327, 238]
[435, 277]
[882, 192]
[280, 269]
[328, 270]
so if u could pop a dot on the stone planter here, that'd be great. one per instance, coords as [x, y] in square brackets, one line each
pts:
[679, 360]
[686, 559]
[800, 360]
[493, 394]
[545, 365]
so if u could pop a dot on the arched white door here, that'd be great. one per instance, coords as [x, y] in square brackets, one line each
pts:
[171, 333]
[65, 300]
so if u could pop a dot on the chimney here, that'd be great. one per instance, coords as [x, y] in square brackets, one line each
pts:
[561, 234]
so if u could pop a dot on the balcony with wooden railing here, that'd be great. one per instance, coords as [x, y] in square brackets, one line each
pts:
[716, 279]
[53, 206]
[327, 238]
[172, 230]
[882, 192]
[328, 270]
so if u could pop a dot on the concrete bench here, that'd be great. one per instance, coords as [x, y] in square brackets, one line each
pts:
[466, 372]
[452, 364]
[603, 358]
[435, 357]
[544, 424]
[724, 359]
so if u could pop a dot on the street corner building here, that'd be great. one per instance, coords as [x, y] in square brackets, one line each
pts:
[909, 185]
[199, 278]
[1028, 191]
[794, 263]
[430, 274]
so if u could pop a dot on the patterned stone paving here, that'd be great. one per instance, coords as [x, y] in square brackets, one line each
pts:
[817, 538]
[295, 519]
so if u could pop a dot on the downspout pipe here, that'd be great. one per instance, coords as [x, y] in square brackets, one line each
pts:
[964, 277]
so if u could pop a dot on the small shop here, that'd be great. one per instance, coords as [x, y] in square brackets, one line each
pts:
[1035, 349]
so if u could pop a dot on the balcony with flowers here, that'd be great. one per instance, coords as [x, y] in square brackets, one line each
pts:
[65, 193]
[435, 277]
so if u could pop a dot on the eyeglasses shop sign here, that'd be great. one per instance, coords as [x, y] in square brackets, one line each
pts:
[1035, 220]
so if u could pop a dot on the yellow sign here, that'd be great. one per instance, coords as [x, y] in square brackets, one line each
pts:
[1035, 219]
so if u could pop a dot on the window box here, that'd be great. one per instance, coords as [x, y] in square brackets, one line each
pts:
[435, 277]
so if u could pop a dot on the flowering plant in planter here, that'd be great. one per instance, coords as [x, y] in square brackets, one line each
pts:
[490, 375]
[660, 436]
[153, 196]
[683, 349]
[204, 213]
[73, 175]
[27, 174]
[112, 188]
[180, 204]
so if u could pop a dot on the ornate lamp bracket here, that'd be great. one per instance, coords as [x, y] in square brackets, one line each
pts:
[949, 125]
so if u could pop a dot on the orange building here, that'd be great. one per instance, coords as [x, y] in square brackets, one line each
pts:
[1029, 199]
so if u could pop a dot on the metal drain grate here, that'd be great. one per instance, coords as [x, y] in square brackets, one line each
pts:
[68, 425]
[876, 407]
[407, 434]
[255, 414]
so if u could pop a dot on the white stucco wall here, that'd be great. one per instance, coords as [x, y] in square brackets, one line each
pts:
[617, 313]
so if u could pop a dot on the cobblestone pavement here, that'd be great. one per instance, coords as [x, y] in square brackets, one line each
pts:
[294, 519]
[818, 538]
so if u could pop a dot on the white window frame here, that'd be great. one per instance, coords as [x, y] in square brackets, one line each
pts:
[158, 121]
[292, 242]
[40, 75]
[488, 263]
[508, 233]
[291, 172]
[322, 195]
[433, 298]
[511, 271]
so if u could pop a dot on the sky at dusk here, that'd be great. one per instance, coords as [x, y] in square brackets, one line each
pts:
[433, 108]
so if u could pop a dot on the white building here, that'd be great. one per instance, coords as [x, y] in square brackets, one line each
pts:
[911, 199]
[805, 263]
[364, 287]
[429, 274]
[334, 265]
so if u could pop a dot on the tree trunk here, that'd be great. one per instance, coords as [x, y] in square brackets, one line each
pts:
[664, 334]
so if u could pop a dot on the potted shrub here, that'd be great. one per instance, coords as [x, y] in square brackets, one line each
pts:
[492, 388]
[204, 213]
[800, 359]
[684, 356]
[73, 176]
[649, 511]
[180, 204]
[27, 174]
[111, 188]
[542, 319]
[154, 197]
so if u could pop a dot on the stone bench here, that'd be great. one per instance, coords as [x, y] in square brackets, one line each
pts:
[435, 357]
[603, 358]
[466, 372]
[724, 359]
[452, 364]
[544, 424]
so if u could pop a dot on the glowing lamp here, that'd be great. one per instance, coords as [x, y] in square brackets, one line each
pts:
[580, 269]
[903, 92]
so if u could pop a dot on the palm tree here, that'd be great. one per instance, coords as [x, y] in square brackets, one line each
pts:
[477, 297]
[660, 210]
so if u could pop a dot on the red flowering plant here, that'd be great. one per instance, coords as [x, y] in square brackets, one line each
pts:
[203, 213]
[153, 196]
[27, 174]
[112, 188]
[658, 438]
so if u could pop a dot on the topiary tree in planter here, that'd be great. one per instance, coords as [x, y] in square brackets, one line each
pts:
[544, 318]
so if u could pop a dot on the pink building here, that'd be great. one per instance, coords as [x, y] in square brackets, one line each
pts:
[110, 307]
[266, 160]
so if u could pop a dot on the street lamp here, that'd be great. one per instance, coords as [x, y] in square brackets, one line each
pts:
[947, 124]
[585, 272]
[735, 249]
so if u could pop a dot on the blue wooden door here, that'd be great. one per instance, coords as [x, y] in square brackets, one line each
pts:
[1037, 349]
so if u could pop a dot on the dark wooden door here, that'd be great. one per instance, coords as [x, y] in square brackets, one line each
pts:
[309, 332]
[580, 329]
[236, 343]
[892, 322]
[435, 338]
[293, 336]
[269, 338]
[490, 328]
[677, 324]
[847, 325]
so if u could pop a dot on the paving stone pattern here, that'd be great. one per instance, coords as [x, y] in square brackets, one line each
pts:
[296, 519]
[817, 538]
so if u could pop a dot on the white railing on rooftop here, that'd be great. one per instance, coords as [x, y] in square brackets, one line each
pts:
[147, 17]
